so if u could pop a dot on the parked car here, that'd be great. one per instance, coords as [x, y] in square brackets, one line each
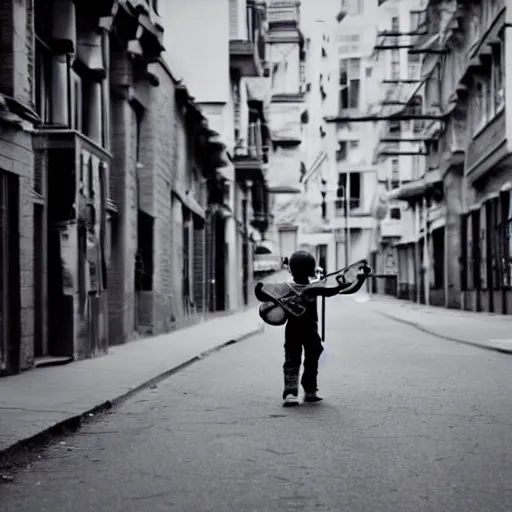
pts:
[266, 259]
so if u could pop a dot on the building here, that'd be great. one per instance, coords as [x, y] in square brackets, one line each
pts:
[352, 179]
[396, 89]
[229, 87]
[300, 51]
[463, 198]
[286, 58]
[110, 172]
[21, 203]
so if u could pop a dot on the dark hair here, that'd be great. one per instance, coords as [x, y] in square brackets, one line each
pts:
[302, 264]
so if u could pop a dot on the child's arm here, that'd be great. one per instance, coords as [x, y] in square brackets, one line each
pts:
[322, 290]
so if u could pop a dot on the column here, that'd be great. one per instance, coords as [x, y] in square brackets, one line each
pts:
[453, 201]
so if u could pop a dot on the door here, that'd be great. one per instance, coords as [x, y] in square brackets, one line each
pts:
[9, 275]
[40, 348]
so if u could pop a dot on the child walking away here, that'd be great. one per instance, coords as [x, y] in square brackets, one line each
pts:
[301, 332]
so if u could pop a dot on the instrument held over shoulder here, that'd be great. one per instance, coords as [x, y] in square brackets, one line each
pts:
[281, 300]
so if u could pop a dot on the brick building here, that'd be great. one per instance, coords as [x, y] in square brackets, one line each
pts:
[20, 193]
[105, 167]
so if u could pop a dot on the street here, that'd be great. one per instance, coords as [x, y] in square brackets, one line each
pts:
[408, 422]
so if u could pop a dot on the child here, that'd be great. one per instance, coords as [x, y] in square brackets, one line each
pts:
[303, 331]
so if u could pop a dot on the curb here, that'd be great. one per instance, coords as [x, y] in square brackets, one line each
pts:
[445, 337]
[73, 424]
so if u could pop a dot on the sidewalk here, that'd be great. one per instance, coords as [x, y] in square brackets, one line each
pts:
[34, 403]
[485, 330]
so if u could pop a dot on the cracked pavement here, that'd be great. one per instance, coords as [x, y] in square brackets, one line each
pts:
[408, 422]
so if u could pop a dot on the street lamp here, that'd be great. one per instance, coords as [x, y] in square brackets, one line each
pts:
[345, 216]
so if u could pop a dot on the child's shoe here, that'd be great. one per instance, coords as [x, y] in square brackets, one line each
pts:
[312, 397]
[290, 400]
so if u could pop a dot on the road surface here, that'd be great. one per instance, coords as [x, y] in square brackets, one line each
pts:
[409, 423]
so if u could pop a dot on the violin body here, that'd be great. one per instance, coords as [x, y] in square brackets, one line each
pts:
[272, 314]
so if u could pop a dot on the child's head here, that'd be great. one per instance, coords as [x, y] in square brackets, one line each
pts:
[302, 265]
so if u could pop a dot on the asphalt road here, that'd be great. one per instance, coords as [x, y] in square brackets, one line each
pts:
[409, 423]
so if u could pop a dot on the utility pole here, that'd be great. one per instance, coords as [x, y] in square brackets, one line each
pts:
[347, 231]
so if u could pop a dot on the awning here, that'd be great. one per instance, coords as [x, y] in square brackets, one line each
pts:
[188, 200]
[417, 188]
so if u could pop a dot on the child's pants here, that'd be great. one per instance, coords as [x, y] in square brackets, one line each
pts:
[295, 339]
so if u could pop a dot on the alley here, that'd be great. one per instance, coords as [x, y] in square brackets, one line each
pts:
[409, 422]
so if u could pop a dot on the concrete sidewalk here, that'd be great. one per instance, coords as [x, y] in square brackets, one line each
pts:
[485, 330]
[35, 403]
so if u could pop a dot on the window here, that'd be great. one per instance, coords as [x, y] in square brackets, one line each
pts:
[42, 90]
[395, 64]
[413, 66]
[368, 72]
[395, 24]
[346, 149]
[498, 88]
[350, 72]
[354, 190]
[76, 90]
[340, 195]
[395, 127]
[341, 153]
[86, 97]
[479, 105]
[395, 173]
[415, 107]
[395, 213]
[416, 20]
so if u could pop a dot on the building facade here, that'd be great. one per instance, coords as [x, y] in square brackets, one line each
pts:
[397, 89]
[286, 56]
[465, 248]
[110, 180]
[231, 91]
[353, 178]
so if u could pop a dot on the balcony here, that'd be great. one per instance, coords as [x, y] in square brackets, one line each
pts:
[78, 175]
[247, 54]
[487, 148]
[284, 14]
[392, 228]
[250, 166]
[286, 123]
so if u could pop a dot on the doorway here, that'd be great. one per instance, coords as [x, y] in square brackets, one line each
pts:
[10, 303]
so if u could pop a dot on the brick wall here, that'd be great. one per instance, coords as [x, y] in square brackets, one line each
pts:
[16, 156]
